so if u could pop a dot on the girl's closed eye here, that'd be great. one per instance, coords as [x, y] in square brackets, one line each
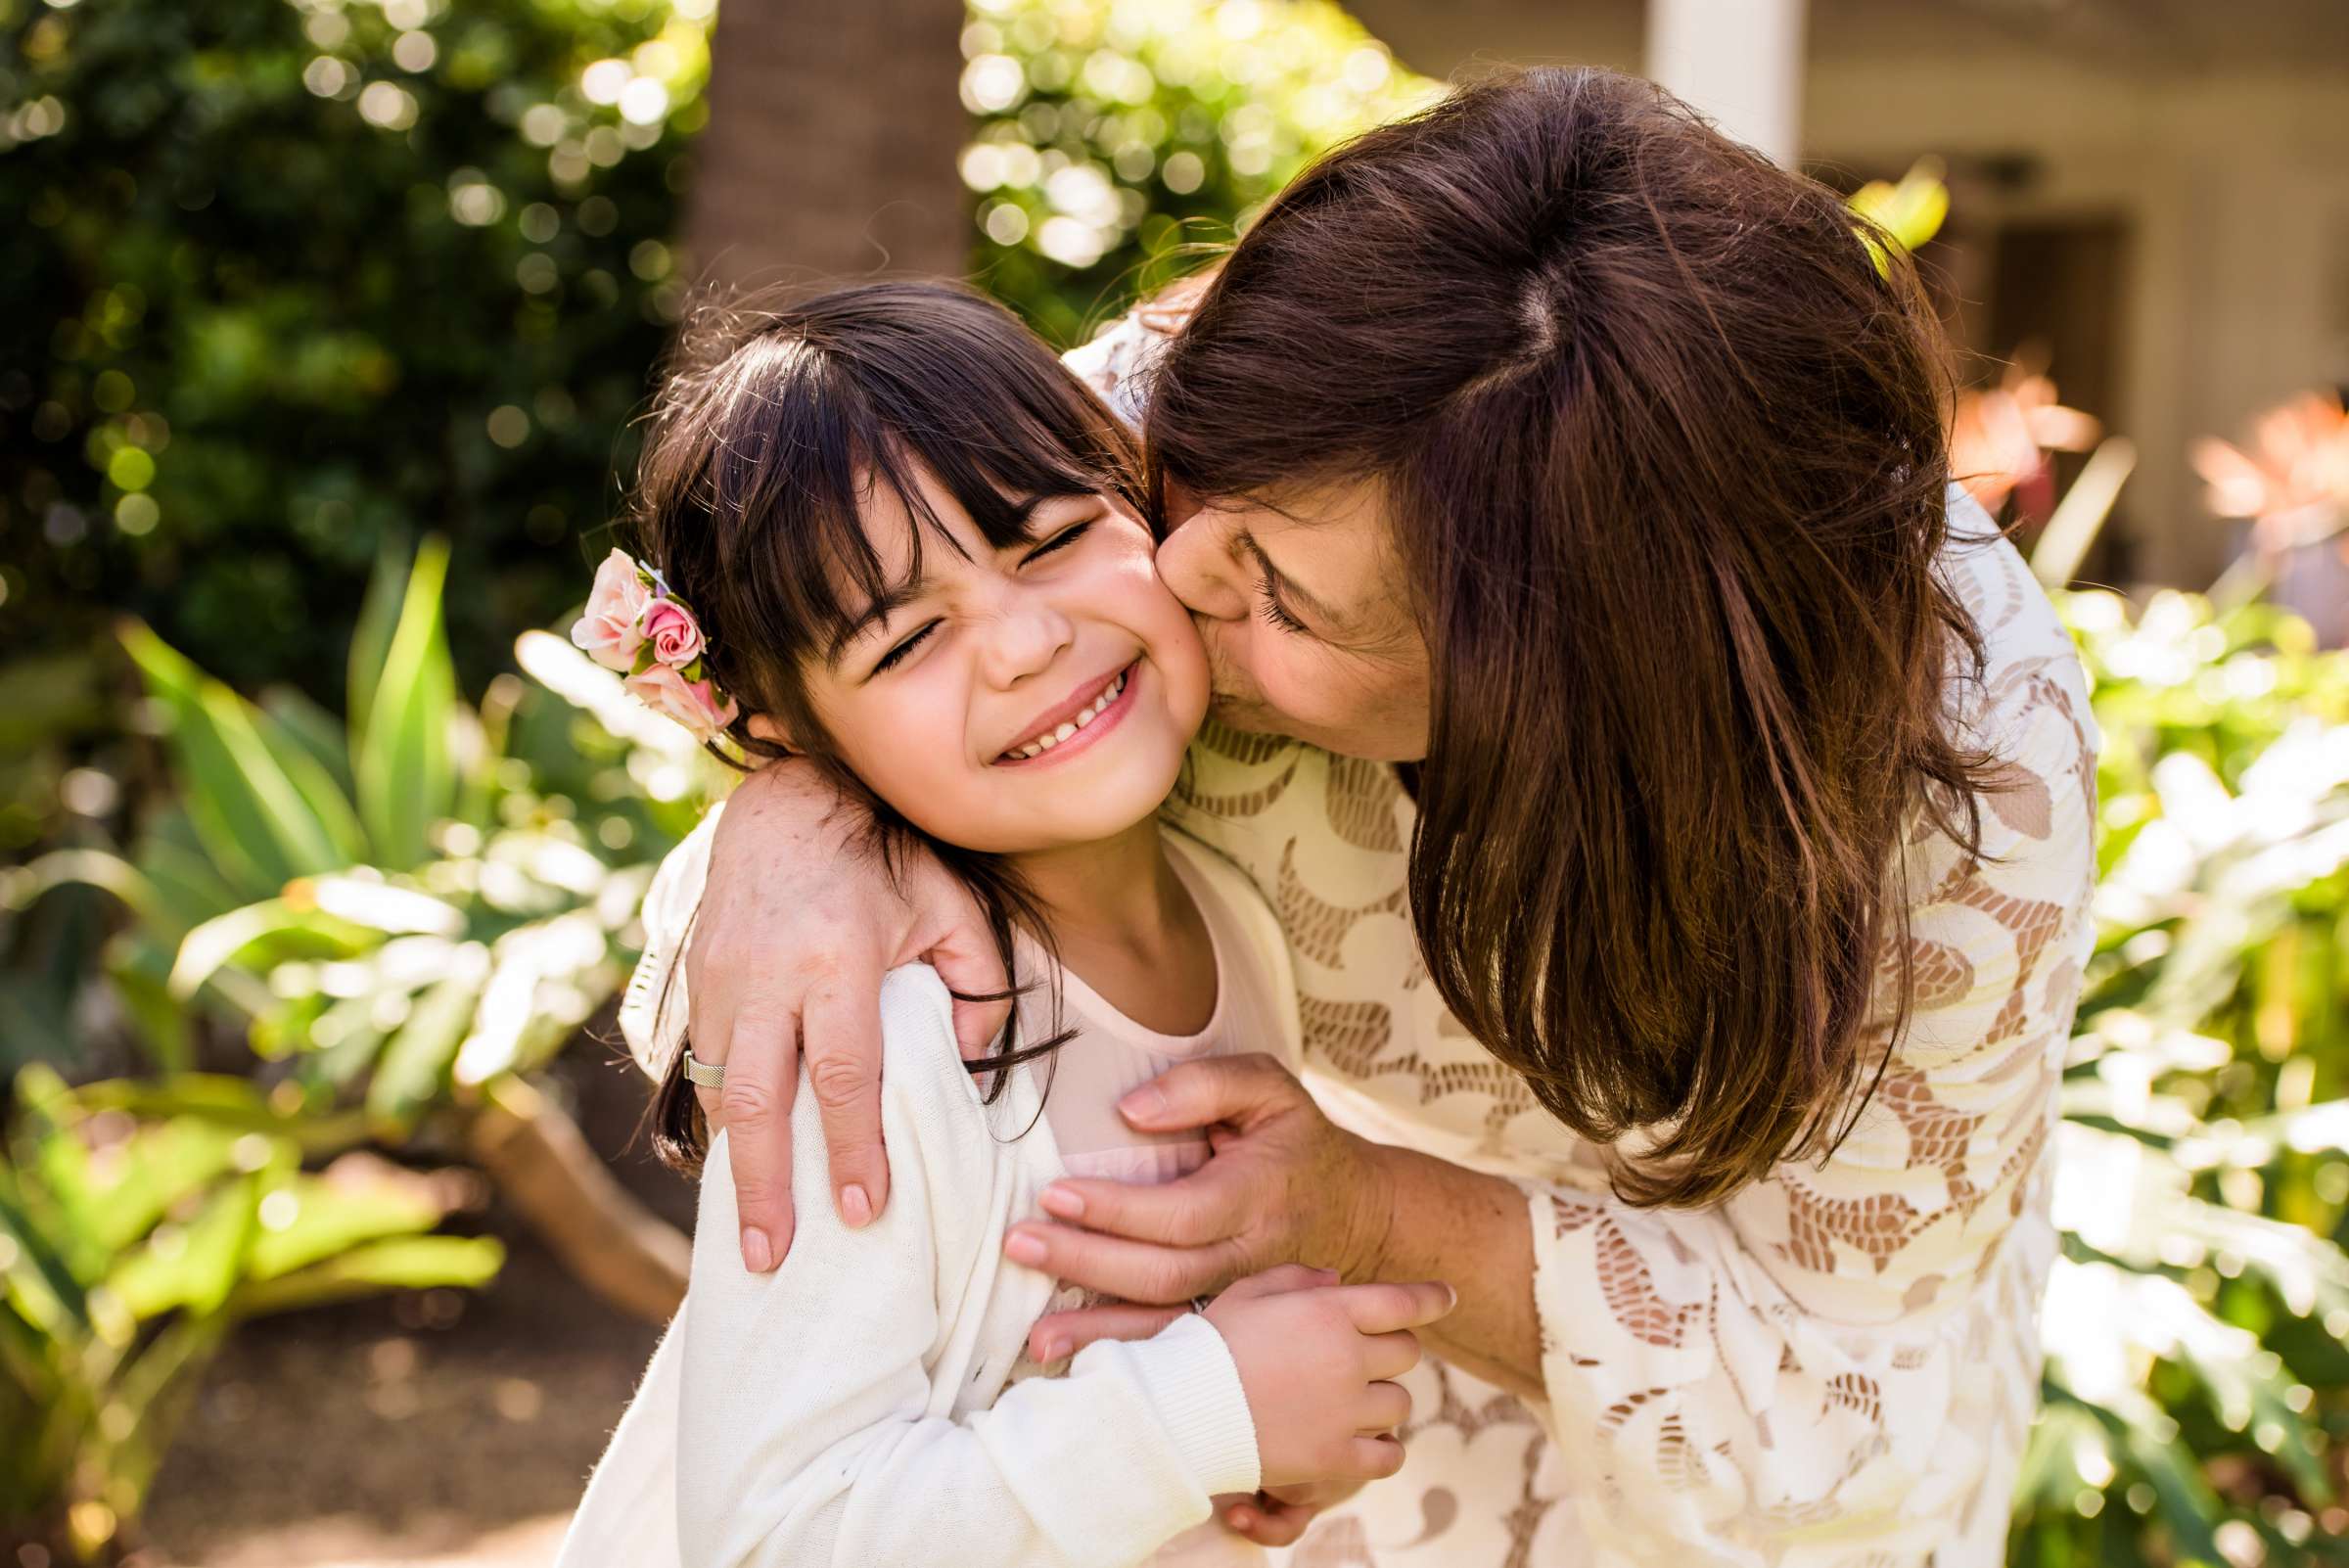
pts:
[1058, 541]
[905, 649]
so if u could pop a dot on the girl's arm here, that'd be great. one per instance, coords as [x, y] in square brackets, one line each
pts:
[809, 1433]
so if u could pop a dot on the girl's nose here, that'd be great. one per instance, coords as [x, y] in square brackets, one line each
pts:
[1195, 561]
[1025, 638]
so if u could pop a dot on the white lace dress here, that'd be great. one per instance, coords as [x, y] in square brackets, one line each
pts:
[1836, 1367]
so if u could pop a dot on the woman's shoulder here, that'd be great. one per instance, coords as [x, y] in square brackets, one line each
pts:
[1115, 363]
[2031, 674]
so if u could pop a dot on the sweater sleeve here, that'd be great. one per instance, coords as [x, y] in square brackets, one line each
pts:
[811, 1432]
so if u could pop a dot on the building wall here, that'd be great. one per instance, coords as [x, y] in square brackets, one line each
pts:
[2213, 135]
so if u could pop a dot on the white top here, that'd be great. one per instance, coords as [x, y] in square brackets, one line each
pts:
[858, 1406]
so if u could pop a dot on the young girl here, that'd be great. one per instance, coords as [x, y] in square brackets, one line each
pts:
[888, 530]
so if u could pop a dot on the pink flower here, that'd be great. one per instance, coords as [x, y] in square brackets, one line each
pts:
[694, 703]
[608, 632]
[676, 636]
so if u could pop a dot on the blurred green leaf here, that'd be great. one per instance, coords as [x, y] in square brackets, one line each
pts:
[406, 776]
[413, 1071]
[416, 1262]
[257, 825]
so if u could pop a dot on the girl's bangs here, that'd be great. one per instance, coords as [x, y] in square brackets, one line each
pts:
[817, 448]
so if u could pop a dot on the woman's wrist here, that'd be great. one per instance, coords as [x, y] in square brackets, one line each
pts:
[1369, 1211]
[1474, 1231]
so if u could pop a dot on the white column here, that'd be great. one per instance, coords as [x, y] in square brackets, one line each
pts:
[1738, 61]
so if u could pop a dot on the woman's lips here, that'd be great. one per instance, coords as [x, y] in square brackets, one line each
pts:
[1091, 718]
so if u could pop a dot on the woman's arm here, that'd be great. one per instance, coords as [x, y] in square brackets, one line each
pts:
[770, 928]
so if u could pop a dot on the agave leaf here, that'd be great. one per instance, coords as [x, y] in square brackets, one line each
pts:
[326, 1216]
[256, 823]
[187, 884]
[290, 924]
[301, 723]
[320, 776]
[401, 1263]
[193, 1265]
[404, 765]
[371, 633]
[414, 1068]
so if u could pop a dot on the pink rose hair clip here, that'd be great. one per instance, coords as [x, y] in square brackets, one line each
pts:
[636, 627]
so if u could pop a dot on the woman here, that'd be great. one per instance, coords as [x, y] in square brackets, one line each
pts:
[1683, 839]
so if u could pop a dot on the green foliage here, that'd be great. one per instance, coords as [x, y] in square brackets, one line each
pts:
[384, 953]
[131, 1241]
[455, 922]
[2197, 1386]
[313, 279]
[1111, 137]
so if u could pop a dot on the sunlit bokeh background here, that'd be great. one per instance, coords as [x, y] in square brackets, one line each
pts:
[322, 328]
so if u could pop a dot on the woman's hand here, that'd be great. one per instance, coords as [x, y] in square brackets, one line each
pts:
[798, 924]
[1285, 1185]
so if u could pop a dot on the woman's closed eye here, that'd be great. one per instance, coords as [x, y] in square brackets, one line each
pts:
[1273, 611]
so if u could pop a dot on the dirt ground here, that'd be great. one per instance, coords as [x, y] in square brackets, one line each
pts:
[442, 1428]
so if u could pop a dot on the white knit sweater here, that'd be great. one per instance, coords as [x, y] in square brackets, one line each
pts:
[850, 1408]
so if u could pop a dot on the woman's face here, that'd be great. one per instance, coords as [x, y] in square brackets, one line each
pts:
[1307, 626]
[1019, 699]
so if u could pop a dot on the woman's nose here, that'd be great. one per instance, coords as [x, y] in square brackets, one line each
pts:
[1196, 564]
[1025, 638]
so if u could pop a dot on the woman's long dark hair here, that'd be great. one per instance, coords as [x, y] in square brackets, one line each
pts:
[776, 428]
[1658, 427]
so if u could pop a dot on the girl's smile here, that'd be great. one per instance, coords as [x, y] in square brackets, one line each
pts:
[1090, 713]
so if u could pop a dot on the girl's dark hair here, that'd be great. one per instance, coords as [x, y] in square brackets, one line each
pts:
[1658, 427]
[776, 428]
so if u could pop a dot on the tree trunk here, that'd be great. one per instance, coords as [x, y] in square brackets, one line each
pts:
[609, 1242]
[833, 129]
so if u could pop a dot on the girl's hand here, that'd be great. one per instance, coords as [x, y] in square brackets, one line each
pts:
[1279, 1515]
[1318, 1365]
[1285, 1185]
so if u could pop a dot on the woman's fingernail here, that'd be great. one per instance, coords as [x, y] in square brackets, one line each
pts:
[1145, 1104]
[758, 1254]
[1023, 1248]
[1240, 1518]
[854, 1207]
[1053, 1349]
[1063, 1203]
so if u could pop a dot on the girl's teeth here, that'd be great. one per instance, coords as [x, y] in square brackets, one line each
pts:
[1044, 743]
